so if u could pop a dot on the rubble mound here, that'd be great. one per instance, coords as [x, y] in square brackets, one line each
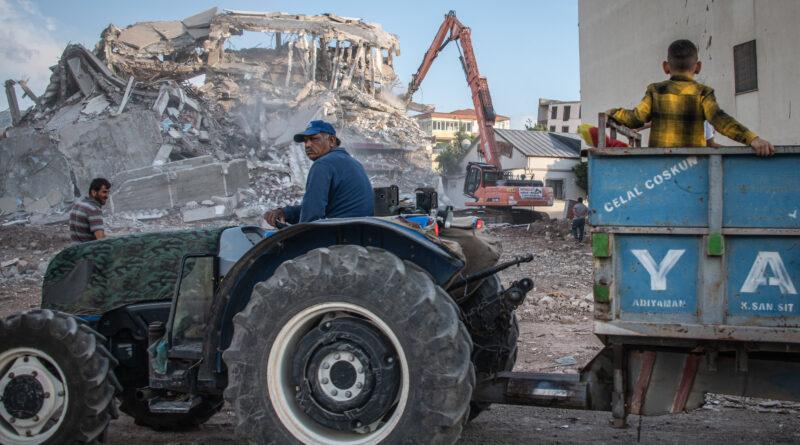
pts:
[172, 114]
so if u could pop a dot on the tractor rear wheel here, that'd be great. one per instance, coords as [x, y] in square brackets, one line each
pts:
[349, 345]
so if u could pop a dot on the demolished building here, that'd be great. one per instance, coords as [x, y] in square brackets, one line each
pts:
[134, 110]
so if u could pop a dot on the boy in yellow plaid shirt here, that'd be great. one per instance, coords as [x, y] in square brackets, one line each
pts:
[678, 107]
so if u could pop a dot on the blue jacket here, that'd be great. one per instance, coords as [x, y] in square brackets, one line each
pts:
[337, 187]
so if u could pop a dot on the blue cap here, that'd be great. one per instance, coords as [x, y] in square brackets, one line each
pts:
[313, 128]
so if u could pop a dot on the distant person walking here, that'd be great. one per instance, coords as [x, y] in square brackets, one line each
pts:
[86, 216]
[579, 213]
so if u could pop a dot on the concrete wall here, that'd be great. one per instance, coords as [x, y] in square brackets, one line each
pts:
[623, 42]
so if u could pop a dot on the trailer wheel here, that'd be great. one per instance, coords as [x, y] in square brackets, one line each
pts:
[349, 345]
[493, 327]
[56, 380]
[142, 416]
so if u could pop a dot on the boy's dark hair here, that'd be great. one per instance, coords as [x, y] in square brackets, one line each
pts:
[580, 199]
[98, 183]
[681, 55]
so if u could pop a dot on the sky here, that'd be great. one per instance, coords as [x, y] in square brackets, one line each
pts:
[526, 49]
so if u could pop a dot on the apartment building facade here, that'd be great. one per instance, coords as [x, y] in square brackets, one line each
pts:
[558, 116]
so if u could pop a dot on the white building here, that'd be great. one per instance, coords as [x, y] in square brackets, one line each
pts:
[442, 127]
[749, 51]
[559, 116]
[548, 157]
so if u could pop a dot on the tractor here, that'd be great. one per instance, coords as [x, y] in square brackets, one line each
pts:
[363, 330]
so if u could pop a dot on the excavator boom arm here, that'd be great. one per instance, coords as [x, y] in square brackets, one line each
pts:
[453, 30]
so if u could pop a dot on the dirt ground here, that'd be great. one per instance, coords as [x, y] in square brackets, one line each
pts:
[555, 323]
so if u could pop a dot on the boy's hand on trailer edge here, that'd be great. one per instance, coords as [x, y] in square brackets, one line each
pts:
[762, 147]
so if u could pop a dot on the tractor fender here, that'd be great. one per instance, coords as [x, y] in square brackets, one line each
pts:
[260, 262]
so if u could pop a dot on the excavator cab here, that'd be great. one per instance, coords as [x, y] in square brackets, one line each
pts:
[479, 175]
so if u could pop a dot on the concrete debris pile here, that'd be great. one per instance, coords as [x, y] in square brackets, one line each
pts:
[174, 115]
[562, 271]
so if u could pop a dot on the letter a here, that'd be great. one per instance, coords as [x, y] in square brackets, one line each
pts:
[658, 274]
[757, 278]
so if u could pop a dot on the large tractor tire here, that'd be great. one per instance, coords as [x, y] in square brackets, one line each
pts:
[349, 345]
[56, 380]
[493, 326]
[142, 416]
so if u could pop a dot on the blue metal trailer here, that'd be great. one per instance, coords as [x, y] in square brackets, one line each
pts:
[696, 280]
[696, 273]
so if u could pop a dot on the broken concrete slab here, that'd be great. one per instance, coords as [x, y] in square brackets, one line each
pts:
[40, 219]
[162, 157]
[81, 77]
[142, 215]
[201, 19]
[198, 33]
[31, 167]
[169, 30]
[66, 115]
[205, 213]
[126, 97]
[45, 204]
[161, 101]
[95, 105]
[139, 36]
[105, 147]
[176, 183]
[9, 263]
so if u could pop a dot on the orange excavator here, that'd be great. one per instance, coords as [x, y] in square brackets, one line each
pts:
[493, 190]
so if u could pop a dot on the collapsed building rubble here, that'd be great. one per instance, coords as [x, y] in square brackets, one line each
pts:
[175, 115]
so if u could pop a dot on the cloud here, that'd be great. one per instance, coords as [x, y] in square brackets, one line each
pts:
[28, 47]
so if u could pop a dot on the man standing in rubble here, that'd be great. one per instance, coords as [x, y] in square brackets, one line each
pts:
[337, 185]
[579, 213]
[86, 216]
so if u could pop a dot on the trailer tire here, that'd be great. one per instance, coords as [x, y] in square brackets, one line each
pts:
[495, 339]
[142, 416]
[57, 380]
[349, 301]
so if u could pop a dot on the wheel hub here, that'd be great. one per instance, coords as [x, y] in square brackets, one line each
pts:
[341, 376]
[34, 398]
[23, 396]
[345, 374]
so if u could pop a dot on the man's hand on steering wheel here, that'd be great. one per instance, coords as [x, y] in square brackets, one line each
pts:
[275, 218]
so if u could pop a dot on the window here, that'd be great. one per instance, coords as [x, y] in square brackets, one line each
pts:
[554, 112]
[566, 113]
[472, 180]
[745, 68]
[565, 129]
[553, 128]
[196, 292]
[558, 187]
